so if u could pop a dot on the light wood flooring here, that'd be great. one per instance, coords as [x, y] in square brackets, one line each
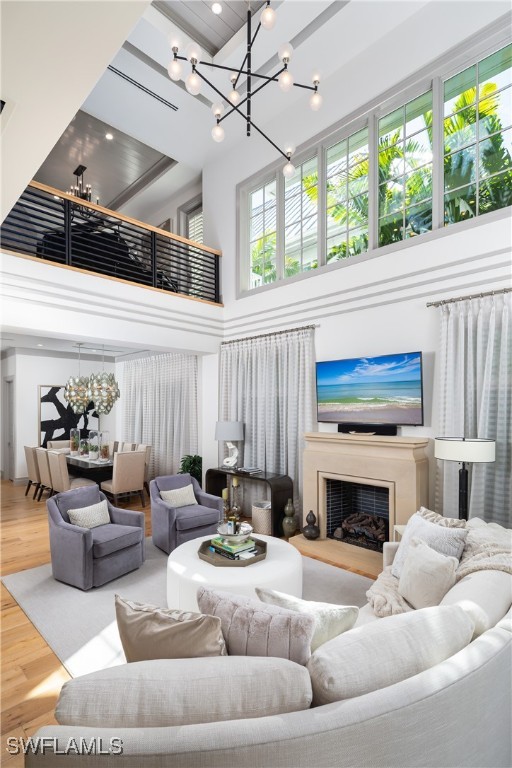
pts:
[32, 675]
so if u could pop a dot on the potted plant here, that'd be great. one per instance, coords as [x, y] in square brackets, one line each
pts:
[192, 464]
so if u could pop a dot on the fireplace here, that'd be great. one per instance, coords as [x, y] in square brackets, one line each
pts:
[357, 514]
[360, 487]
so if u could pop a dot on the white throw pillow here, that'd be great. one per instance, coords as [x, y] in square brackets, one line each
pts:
[447, 541]
[485, 595]
[90, 517]
[179, 497]
[426, 575]
[330, 620]
[162, 693]
[387, 651]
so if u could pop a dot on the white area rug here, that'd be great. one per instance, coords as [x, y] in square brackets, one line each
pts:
[80, 627]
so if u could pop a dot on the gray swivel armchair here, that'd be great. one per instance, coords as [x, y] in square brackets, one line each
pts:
[90, 557]
[172, 526]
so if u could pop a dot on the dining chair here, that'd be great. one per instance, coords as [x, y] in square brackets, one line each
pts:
[61, 480]
[147, 450]
[44, 472]
[34, 477]
[124, 447]
[127, 475]
[54, 444]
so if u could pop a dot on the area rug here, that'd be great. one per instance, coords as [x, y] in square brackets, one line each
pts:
[80, 627]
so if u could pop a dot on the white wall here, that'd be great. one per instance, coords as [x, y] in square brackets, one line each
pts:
[33, 370]
[364, 306]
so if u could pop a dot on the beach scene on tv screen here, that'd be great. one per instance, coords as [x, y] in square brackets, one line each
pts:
[371, 390]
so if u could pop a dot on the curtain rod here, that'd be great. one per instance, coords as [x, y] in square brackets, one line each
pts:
[273, 333]
[463, 298]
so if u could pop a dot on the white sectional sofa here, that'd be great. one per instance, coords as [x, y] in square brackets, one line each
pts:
[454, 714]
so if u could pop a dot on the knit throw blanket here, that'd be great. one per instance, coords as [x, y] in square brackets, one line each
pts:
[488, 547]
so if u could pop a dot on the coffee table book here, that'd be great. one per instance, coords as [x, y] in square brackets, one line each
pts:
[222, 561]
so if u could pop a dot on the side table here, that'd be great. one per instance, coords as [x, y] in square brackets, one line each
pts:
[279, 487]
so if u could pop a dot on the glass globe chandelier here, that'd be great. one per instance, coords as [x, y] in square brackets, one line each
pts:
[76, 390]
[103, 390]
[282, 77]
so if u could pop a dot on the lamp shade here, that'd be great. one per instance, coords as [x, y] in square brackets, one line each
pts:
[229, 430]
[477, 450]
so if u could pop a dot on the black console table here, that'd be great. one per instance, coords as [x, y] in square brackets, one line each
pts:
[280, 487]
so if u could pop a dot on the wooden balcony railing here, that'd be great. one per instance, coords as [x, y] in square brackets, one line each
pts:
[57, 227]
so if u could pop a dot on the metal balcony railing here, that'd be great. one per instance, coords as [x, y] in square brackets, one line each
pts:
[62, 229]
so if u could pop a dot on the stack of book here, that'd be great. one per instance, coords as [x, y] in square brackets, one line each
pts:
[243, 551]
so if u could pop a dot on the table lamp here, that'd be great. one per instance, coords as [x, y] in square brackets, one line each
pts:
[229, 431]
[461, 449]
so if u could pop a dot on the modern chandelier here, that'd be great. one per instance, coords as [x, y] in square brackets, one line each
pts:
[100, 388]
[282, 77]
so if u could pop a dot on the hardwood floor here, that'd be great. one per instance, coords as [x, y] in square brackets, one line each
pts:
[32, 675]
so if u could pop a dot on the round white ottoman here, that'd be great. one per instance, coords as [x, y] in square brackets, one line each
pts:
[281, 570]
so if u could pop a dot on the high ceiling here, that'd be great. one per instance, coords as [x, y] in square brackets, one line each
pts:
[161, 132]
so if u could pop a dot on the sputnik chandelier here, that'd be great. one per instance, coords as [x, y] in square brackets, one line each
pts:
[282, 77]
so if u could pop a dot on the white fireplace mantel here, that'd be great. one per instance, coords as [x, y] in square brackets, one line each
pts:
[398, 463]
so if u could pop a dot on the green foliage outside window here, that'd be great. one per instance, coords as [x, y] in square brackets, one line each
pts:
[478, 138]
[477, 158]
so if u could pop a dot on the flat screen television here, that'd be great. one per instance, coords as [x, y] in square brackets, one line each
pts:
[384, 390]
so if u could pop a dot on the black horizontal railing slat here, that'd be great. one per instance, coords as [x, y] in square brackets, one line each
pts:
[65, 231]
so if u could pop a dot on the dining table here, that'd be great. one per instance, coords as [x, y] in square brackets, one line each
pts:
[91, 469]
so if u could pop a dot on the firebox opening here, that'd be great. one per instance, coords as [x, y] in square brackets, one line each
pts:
[357, 514]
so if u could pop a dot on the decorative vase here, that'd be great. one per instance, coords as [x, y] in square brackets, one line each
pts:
[94, 445]
[74, 442]
[236, 504]
[104, 446]
[84, 448]
[311, 530]
[289, 522]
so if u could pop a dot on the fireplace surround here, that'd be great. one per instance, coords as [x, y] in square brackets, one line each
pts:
[393, 467]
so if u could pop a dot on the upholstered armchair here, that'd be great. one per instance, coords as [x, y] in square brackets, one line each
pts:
[173, 525]
[90, 557]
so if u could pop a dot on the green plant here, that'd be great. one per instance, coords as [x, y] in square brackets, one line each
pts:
[192, 464]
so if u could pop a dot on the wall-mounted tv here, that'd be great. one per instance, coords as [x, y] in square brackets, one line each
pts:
[371, 390]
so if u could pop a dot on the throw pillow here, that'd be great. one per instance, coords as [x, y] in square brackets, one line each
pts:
[252, 628]
[90, 517]
[179, 497]
[447, 522]
[485, 595]
[156, 694]
[150, 632]
[426, 575]
[387, 651]
[330, 620]
[447, 541]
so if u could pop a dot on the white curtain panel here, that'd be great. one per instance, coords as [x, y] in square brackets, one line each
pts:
[160, 408]
[268, 383]
[475, 396]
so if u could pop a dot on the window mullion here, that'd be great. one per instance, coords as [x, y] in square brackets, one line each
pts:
[280, 225]
[322, 205]
[373, 182]
[437, 154]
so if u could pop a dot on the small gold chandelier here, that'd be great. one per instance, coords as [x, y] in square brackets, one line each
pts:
[76, 390]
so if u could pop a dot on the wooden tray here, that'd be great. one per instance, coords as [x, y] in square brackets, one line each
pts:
[222, 562]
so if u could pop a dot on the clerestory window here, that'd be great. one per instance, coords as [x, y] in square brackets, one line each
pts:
[441, 157]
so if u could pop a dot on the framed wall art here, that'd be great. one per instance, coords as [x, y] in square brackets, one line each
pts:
[56, 418]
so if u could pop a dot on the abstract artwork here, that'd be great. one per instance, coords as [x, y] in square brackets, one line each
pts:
[56, 418]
